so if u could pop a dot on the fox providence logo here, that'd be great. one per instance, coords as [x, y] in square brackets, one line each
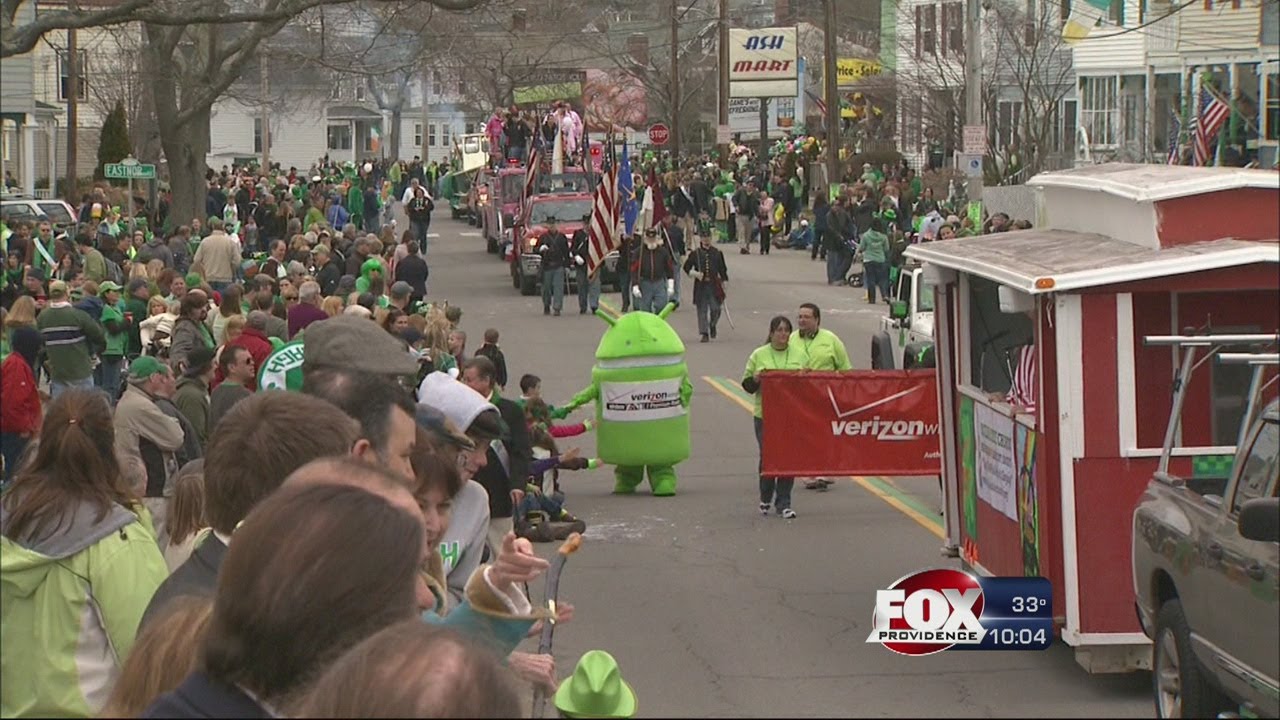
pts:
[928, 612]
[880, 428]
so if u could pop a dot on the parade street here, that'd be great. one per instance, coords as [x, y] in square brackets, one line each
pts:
[711, 609]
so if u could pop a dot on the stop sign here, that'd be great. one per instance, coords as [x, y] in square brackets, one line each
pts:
[658, 134]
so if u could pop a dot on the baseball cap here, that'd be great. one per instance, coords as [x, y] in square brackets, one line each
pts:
[57, 288]
[433, 420]
[107, 286]
[145, 366]
[401, 288]
[353, 343]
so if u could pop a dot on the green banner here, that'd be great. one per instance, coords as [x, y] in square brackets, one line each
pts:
[534, 94]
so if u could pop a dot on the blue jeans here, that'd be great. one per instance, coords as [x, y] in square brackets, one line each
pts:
[773, 490]
[838, 262]
[420, 234]
[708, 307]
[876, 275]
[588, 290]
[515, 152]
[57, 387]
[553, 289]
[653, 295]
[107, 377]
[11, 447]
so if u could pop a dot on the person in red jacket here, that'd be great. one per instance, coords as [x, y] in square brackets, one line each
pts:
[254, 339]
[20, 415]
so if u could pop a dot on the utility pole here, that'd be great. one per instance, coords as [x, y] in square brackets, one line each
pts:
[426, 85]
[973, 77]
[722, 115]
[832, 96]
[265, 119]
[73, 111]
[675, 82]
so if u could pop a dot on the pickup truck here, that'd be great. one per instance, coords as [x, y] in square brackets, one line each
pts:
[1205, 562]
[906, 333]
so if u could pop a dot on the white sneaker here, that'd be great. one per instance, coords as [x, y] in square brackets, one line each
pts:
[789, 514]
[764, 509]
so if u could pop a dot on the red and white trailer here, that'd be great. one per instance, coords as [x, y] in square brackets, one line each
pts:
[1043, 480]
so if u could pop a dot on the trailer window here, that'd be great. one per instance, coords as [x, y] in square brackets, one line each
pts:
[1260, 467]
[994, 338]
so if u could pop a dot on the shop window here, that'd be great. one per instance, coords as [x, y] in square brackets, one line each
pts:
[1261, 467]
[994, 338]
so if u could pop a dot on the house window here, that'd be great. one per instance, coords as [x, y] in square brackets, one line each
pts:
[953, 29]
[994, 337]
[1030, 23]
[1209, 4]
[444, 135]
[435, 79]
[83, 67]
[1099, 110]
[361, 91]
[340, 137]
[1116, 11]
[431, 135]
[1008, 122]
[1270, 31]
[257, 135]
[1272, 118]
[417, 134]
[335, 90]
[926, 30]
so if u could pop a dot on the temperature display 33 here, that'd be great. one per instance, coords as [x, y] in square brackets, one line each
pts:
[1017, 614]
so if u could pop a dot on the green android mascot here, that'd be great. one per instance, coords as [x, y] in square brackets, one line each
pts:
[640, 385]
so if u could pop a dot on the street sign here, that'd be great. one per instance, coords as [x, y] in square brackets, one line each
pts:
[970, 164]
[659, 134]
[129, 169]
[975, 139]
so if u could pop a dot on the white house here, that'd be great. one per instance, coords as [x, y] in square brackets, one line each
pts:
[341, 120]
[1147, 58]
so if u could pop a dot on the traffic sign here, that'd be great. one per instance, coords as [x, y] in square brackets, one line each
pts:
[970, 164]
[975, 139]
[129, 169]
[659, 134]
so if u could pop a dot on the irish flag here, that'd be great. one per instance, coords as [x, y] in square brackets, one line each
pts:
[1085, 16]
[375, 138]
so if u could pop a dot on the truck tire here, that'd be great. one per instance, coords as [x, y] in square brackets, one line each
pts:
[528, 286]
[1180, 687]
[881, 352]
[515, 278]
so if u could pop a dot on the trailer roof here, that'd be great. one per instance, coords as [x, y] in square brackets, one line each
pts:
[1150, 183]
[1042, 261]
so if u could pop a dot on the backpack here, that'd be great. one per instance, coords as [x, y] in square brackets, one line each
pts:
[114, 273]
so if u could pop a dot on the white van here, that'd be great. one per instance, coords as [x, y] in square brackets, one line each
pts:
[470, 152]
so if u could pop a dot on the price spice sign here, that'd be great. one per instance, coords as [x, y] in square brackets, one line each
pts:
[931, 611]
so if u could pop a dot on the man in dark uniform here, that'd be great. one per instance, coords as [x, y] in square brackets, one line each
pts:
[653, 273]
[709, 272]
[580, 251]
[553, 248]
[626, 255]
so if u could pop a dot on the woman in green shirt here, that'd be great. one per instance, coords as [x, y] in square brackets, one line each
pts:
[776, 354]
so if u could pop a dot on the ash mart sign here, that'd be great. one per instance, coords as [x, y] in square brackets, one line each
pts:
[762, 62]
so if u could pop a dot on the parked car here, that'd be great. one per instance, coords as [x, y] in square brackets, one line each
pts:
[1205, 562]
[62, 215]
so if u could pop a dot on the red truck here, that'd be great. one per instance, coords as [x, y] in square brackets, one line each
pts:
[500, 214]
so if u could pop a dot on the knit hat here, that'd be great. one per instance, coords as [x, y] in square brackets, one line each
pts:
[596, 689]
[144, 367]
[355, 344]
[199, 361]
[458, 402]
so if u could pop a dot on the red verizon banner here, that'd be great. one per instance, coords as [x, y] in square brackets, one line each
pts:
[864, 422]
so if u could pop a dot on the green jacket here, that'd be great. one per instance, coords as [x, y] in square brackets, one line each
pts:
[139, 310]
[823, 351]
[874, 247]
[192, 400]
[117, 342]
[71, 338]
[95, 266]
[70, 604]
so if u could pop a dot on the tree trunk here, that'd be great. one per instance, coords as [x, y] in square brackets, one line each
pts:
[185, 147]
[393, 135]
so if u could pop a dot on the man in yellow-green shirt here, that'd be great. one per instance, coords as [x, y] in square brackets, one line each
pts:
[822, 349]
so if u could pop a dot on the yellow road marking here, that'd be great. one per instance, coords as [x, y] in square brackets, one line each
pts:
[882, 488]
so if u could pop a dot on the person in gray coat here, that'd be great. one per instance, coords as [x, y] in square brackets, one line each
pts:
[190, 330]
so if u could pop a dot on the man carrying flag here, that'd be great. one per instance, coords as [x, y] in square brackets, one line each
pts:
[602, 235]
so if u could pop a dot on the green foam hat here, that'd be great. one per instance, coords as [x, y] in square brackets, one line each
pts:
[596, 689]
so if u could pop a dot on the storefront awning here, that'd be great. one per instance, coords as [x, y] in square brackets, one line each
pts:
[1042, 261]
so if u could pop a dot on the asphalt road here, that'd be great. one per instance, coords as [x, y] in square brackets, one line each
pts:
[713, 610]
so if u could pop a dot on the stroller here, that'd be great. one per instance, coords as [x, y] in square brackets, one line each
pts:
[540, 515]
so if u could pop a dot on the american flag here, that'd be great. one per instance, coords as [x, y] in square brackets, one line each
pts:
[1175, 139]
[604, 219]
[818, 102]
[1213, 113]
[531, 178]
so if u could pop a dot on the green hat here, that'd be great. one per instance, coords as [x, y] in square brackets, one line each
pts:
[193, 280]
[144, 367]
[596, 689]
[107, 286]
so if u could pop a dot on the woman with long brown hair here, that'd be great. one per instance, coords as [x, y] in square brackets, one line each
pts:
[165, 653]
[76, 544]
[228, 306]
